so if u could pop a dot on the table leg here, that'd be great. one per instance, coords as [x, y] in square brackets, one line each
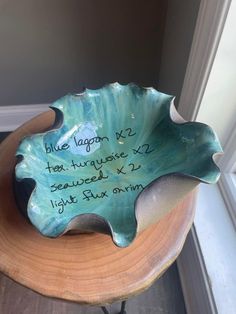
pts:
[122, 310]
[105, 311]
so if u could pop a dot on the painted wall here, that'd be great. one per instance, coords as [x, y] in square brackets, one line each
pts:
[50, 48]
[179, 30]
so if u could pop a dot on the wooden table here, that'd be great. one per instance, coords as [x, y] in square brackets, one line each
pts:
[87, 268]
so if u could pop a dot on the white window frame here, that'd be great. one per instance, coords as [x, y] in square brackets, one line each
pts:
[209, 28]
[227, 181]
[212, 238]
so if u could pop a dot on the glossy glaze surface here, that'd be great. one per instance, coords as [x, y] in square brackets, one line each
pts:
[111, 144]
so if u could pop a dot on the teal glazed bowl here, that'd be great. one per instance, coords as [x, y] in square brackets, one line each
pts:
[116, 160]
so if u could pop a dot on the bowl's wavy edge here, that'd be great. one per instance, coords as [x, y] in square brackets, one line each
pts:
[175, 118]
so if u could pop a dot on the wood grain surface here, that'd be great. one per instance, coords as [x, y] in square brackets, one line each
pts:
[87, 268]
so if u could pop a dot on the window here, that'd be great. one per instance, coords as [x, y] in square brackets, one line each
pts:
[218, 107]
[209, 95]
[228, 178]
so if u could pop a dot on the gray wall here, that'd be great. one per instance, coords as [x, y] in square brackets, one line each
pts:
[179, 29]
[50, 48]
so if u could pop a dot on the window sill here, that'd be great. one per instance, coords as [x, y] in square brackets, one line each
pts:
[227, 186]
[207, 262]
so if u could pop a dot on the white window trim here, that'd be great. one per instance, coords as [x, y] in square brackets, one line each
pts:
[227, 181]
[209, 26]
[211, 259]
[228, 163]
[227, 186]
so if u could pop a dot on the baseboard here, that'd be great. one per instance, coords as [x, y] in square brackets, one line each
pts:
[194, 279]
[11, 117]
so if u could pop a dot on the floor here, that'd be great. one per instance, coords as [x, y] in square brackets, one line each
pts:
[164, 297]
[3, 135]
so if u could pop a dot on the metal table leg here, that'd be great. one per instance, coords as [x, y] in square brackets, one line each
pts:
[122, 309]
[105, 311]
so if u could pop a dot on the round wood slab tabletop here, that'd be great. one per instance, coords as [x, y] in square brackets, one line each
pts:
[85, 268]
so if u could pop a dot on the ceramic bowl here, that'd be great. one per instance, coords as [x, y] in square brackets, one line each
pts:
[116, 160]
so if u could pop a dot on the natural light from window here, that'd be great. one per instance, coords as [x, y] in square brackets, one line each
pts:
[218, 107]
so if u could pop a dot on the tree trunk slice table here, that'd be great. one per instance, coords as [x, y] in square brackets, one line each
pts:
[85, 268]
